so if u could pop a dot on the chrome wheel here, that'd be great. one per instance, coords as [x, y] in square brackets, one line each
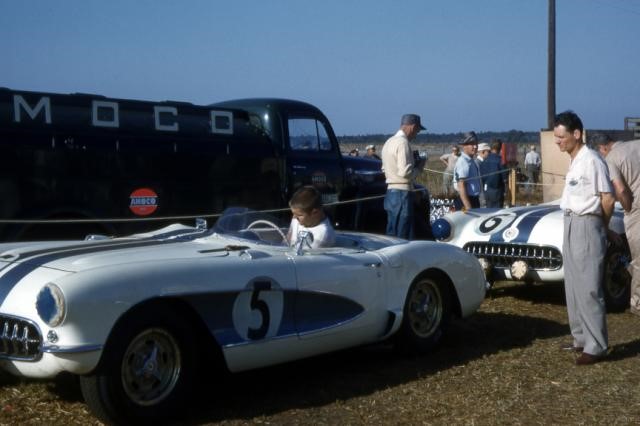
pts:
[148, 366]
[151, 367]
[425, 308]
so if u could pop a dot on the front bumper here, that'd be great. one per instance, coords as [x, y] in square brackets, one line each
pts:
[23, 351]
[519, 262]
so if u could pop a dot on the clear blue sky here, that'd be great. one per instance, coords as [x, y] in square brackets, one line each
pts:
[462, 65]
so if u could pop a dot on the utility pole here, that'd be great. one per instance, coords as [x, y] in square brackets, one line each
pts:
[551, 66]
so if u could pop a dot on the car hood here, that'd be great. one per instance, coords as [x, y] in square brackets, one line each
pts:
[76, 256]
[541, 224]
[364, 170]
[519, 225]
[171, 243]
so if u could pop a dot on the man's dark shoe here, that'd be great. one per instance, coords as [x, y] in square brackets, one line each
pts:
[570, 347]
[587, 359]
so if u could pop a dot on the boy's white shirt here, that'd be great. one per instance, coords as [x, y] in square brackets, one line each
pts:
[323, 233]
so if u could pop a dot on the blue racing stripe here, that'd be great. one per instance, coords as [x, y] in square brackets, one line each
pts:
[9, 280]
[529, 222]
[107, 243]
[530, 217]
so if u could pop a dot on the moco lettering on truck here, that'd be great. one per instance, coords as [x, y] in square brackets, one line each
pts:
[107, 114]
[83, 156]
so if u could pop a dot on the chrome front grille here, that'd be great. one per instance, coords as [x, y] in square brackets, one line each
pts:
[502, 255]
[19, 339]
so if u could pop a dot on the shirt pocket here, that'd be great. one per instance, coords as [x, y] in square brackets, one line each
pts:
[578, 185]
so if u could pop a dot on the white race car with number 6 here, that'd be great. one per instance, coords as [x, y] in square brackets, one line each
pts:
[525, 244]
[138, 317]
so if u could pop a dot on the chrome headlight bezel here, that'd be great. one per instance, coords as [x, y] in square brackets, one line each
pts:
[51, 305]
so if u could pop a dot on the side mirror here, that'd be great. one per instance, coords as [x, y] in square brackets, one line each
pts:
[304, 240]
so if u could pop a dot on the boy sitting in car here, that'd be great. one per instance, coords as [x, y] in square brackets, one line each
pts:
[308, 215]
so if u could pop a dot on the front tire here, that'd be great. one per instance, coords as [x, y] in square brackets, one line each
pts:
[148, 366]
[426, 315]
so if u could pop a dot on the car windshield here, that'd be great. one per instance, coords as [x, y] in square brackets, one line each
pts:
[253, 225]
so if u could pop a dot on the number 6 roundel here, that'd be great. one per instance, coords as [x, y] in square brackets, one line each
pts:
[257, 311]
[495, 223]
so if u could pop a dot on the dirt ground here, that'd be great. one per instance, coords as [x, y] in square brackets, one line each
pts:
[501, 366]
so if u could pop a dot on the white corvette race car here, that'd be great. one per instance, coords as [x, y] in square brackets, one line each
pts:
[525, 244]
[138, 317]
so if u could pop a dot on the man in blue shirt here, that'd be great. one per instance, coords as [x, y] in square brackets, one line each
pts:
[466, 176]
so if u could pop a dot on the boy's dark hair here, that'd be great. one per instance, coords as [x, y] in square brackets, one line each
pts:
[306, 198]
[569, 120]
[496, 145]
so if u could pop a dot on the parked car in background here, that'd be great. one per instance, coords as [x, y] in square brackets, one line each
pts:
[139, 318]
[524, 244]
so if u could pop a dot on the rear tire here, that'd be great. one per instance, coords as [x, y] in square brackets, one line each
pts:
[426, 315]
[147, 368]
[617, 279]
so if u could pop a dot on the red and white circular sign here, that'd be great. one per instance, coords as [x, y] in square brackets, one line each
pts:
[144, 201]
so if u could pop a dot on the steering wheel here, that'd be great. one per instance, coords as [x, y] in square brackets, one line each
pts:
[270, 224]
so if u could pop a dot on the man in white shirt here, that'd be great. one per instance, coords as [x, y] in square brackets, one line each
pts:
[308, 215]
[532, 164]
[449, 161]
[587, 201]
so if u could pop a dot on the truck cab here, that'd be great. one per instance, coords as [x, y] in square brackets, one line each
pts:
[306, 143]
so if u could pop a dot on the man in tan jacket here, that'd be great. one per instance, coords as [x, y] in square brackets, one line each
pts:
[400, 168]
[623, 160]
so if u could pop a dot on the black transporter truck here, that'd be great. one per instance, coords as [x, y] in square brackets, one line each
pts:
[119, 166]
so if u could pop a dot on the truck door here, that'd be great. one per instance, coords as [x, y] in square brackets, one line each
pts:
[313, 156]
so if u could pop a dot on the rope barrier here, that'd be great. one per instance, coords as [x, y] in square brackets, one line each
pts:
[507, 170]
[217, 215]
[171, 218]
[538, 184]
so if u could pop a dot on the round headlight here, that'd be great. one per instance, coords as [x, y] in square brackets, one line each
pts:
[50, 305]
[441, 229]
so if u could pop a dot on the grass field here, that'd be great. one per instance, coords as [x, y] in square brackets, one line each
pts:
[502, 366]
